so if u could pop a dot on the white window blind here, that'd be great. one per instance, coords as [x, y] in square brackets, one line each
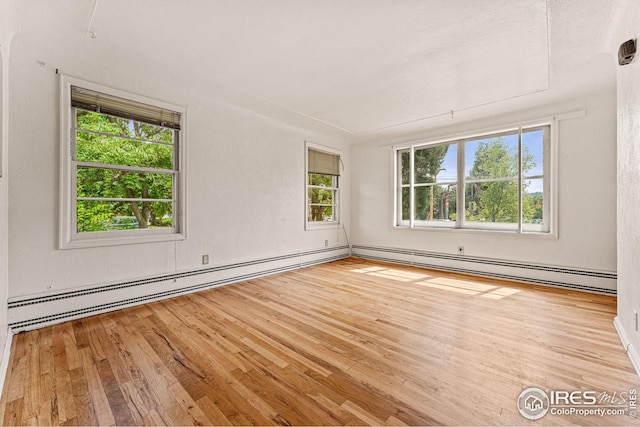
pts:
[108, 104]
[323, 163]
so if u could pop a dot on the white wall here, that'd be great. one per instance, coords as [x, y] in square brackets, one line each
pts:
[245, 174]
[629, 188]
[586, 192]
[5, 40]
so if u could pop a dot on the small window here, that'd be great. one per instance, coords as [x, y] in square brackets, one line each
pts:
[323, 185]
[122, 167]
[498, 181]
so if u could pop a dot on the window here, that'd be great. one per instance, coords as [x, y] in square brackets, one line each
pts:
[434, 186]
[121, 159]
[323, 175]
[498, 181]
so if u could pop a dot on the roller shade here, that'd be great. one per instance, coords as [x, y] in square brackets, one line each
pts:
[125, 108]
[323, 163]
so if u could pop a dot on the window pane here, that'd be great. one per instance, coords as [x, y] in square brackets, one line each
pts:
[495, 157]
[322, 180]
[406, 204]
[97, 182]
[492, 202]
[436, 164]
[318, 196]
[405, 166]
[320, 213]
[435, 203]
[118, 151]
[533, 152]
[533, 205]
[116, 126]
[109, 216]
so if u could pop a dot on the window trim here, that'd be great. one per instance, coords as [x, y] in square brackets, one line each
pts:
[69, 238]
[321, 225]
[551, 197]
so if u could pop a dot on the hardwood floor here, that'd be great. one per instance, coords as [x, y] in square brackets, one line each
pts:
[347, 343]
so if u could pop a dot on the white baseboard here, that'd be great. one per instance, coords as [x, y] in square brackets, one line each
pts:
[628, 347]
[4, 361]
[582, 279]
[32, 312]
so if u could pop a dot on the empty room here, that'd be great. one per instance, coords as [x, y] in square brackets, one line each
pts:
[319, 212]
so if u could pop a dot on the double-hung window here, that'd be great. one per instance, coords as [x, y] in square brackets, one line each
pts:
[497, 181]
[122, 178]
[323, 185]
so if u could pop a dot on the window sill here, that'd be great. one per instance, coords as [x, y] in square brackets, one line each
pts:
[309, 226]
[99, 241]
[476, 231]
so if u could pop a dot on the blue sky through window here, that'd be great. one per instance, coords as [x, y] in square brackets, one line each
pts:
[532, 140]
[448, 172]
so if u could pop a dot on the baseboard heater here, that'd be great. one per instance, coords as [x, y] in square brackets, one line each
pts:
[601, 282]
[55, 308]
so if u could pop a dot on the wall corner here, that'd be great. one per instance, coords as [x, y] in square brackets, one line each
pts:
[628, 347]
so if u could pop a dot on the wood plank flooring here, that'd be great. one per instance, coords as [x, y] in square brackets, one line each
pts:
[352, 342]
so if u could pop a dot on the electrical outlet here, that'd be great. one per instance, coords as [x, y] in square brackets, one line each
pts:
[635, 319]
[460, 250]
[205, 259]
[326, 243]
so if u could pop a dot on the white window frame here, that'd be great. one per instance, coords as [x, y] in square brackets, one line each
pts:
[69, 237]
[321, 225]
[550, 181]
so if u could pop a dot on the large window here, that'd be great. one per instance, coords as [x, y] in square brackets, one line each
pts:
[121, 158]
[323, 184]
[499, 181]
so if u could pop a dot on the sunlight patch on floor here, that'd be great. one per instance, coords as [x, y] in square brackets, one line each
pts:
[500, 293]
[444, 287]
[463, 284]
[392, 274]
[367, 269]
[466, 287]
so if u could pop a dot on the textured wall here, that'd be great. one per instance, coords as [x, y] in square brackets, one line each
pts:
[629, 187]
[5, 40]
[245, 175]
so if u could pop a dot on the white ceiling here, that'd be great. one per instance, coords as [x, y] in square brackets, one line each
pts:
[357, 65]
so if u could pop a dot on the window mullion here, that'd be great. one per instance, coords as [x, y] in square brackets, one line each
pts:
[125, 168]
[74, 173]
[124, 199]
[128, 138]
[520, 180]
[335, 195]
[412, 221]
[175, 187]
[460, 211]
[72, 136]
[397, 173]
[320, 187]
